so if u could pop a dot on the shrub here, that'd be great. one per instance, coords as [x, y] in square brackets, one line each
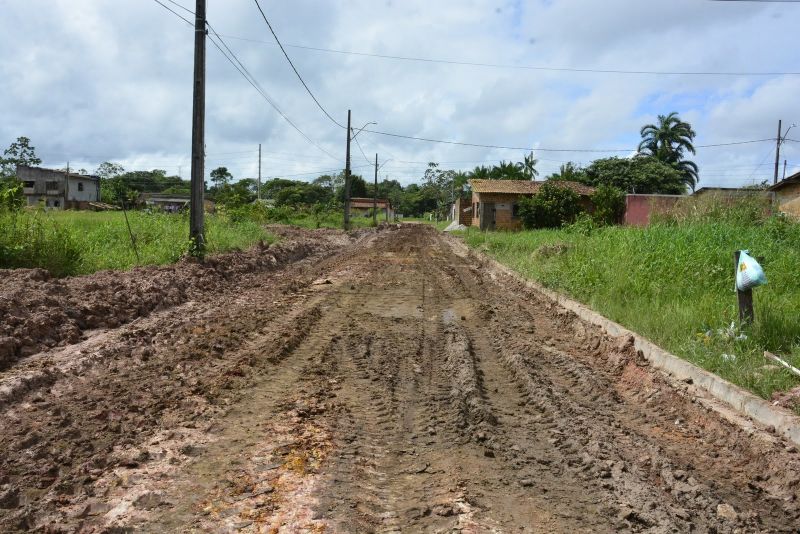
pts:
[551, 207]
[30, 239]
[746, 209]
[609, 205]
[11, 197]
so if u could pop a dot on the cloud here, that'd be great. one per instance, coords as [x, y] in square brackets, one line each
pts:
[91, 80]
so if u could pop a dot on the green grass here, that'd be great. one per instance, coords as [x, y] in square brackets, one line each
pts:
[82, 242]
[674, 284]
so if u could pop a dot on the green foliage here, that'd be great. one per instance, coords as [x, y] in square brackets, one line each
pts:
[32, 239]
[220, 176]
[673, 283]
[80, 242]
[609, 205]
[714, 208]
[11, 197]
[568, 171]
[20, 152]
[641, 174]
[551, 207]
[667, 141]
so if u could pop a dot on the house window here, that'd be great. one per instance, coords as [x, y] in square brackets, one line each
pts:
[28, 184]
[515, 210]
[478, 210]
[51, 186]
[80, 186]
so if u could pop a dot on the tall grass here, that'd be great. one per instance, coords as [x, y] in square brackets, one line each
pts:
[80, 242]
[673, 282]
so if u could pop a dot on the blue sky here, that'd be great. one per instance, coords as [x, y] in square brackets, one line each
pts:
[95, 80]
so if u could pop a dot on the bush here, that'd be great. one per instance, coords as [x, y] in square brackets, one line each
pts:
[714, 208]
[31, 240]
[609, 205]
[11, 197]
[551, 207]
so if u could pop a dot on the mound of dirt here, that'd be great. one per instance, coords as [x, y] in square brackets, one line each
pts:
[40, 311]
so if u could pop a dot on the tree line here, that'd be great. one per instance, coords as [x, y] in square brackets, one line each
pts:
[659, 166]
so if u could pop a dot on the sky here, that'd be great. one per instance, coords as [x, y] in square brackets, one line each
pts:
[111, 80]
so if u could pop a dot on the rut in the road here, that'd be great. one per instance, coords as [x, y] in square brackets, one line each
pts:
[402, 385]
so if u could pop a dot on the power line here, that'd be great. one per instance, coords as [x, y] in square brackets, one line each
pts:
[242, 71]
[520, 67]
[165, 6]
[264, 16]
[362, 150]
[239, 66]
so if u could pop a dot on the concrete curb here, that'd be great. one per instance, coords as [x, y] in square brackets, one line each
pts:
[759, 410]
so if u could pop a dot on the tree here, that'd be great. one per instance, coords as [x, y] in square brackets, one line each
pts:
[551, 207]
[609, 205]
[480, 173]
[667, 141]
[220, 177]
[568, 171]
[640, 174]
[527, 167]
[108, 170]
[507, 170]
[20, 152]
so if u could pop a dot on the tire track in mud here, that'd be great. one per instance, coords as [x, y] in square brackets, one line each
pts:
[401, 386]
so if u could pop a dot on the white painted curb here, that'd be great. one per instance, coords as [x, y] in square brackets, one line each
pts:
[759, 410]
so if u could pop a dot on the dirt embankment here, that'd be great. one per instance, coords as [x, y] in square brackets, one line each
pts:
[40, 311]
[392, 384]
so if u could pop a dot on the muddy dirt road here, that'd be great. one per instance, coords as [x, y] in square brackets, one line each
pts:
[382, 382]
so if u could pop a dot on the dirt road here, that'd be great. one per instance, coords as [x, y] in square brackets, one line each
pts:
[382, 382]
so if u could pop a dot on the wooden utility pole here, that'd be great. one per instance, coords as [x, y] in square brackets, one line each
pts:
[375, 196]
[347, 178]
[258, 191]
[196, 206]
[777, 154]
[386, 177]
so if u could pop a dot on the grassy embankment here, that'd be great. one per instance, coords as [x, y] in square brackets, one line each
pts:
[674, 283]
[82, 242]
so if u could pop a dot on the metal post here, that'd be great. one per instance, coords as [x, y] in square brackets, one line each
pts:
[347, 178]
[777, 154]
[375, 196]
[196, 211]
[258, 191]
[745, 298]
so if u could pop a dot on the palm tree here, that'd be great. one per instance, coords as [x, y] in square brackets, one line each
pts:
[480, 173]
[667, 140]
[527, 167]
[567, 171]
[506, 170]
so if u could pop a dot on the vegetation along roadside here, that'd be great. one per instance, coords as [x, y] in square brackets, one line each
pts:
[673, 283]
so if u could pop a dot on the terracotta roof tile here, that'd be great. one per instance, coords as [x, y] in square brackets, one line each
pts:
[525, 187]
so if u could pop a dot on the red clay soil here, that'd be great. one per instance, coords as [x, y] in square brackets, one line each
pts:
[384, 381]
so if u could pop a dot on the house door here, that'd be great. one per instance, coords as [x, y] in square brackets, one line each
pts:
[488, 214]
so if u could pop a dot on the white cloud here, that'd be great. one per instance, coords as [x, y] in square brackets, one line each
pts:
[90, 80]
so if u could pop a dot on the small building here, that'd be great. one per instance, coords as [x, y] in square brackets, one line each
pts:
[363, 207]
[461, 211]
[495, 203]
[639, 209]
[58, 189]
[786, 195]
[171, 202]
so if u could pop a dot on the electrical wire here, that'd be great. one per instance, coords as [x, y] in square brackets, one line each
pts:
[362, 150]
[165, 6]
[252, 81]
[521, 67]
[308, 90]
